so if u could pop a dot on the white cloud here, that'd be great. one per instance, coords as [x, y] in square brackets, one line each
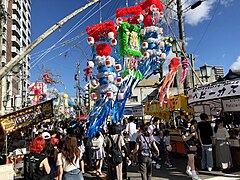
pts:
[226, 3]
[199, 14]
[236, 65]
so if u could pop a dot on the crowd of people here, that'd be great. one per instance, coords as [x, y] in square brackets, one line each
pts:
[63, 154]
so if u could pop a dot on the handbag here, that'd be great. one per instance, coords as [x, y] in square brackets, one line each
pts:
[153, 155]
[192, 147]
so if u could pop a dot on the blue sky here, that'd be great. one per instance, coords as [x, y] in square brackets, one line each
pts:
[212, 34]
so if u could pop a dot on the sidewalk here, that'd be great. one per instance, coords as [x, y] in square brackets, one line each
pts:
[177, 172]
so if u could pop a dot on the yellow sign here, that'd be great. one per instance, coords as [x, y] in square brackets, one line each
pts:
[176, 103]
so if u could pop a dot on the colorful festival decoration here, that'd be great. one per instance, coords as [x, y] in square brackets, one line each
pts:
[123, 55]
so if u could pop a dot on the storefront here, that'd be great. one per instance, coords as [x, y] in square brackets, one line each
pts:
[20, 123]
[220, 100]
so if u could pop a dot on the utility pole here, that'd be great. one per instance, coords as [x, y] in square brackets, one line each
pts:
[181, 26]
[4, 70]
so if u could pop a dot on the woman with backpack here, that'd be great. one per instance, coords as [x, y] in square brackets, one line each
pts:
[144, 145]
[114, 144]
[98, 151]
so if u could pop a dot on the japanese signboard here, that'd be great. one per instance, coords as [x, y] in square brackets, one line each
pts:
[24, 117]
[231, 104]
[215, 91]
[39, 87]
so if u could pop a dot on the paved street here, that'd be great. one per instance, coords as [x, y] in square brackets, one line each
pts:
[177, 172]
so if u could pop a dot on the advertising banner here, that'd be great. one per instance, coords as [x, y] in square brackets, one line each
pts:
[24, 117]
[215, 91]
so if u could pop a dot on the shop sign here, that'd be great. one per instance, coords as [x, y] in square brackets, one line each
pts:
[231, 104]
[138, 111]
[216, 91]
[24, 117]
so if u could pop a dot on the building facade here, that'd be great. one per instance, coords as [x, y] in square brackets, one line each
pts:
[14, 38]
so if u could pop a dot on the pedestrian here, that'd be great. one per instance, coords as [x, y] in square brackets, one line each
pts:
[205, 134]
[131, 129]
[168, 148]
[223, 154]
[114, 139]
[68, 160]
[189, 137]
[144, 143]
[36, 165]
[98, 152]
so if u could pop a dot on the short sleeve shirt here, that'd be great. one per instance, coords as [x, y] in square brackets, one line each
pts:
[145, 144]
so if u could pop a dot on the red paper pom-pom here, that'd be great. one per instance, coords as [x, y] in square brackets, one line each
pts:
[134, 10]
[100, 31]
[103, 49]
[148, 3]
[174, 63]
[148, 21]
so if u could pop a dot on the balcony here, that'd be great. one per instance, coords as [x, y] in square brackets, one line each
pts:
[16, 41]
[16, 20]
[16, 31]
[15, 50]
[17, 2]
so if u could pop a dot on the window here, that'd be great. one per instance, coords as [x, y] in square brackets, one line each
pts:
[133, 99]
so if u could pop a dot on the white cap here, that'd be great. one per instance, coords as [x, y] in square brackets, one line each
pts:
[46, 135]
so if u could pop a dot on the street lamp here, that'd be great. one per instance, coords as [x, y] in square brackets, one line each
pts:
[177, 46]
[206, 71]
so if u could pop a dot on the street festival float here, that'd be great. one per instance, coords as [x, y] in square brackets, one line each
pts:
[124, 53]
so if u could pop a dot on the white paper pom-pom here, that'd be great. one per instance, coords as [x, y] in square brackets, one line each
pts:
[113, 42]
[94, 82]
[144, 45]
[119, 21]
[118, 67]
[163, 56]
[110, 95]
[161, 44]
[90, 64]
[118, 80]
[160, 30]
[140, 18]
[111, 35]
[90, 41]
[94, 96]
[108, 62]
[120, 96]
[146, 55]
[110, 78]
[143, 31]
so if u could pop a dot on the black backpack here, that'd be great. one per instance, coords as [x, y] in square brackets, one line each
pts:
[115, 152]
[31, 167]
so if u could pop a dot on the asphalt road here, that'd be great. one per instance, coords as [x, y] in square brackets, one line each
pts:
[177, 172]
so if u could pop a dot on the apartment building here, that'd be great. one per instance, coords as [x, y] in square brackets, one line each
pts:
[14, 37]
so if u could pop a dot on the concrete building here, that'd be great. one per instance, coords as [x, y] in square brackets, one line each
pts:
[14, 37]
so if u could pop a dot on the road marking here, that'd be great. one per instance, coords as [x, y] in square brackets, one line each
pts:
[223, 178]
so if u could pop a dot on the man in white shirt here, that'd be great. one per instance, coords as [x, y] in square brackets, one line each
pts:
[131, 130]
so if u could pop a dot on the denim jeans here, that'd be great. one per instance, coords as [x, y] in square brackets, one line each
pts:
[207, 156]
[75, 174]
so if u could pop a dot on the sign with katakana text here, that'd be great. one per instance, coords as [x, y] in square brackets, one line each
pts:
[214, 91]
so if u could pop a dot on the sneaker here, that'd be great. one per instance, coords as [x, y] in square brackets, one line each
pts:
[158, 166]
[170, 165]
[209, 169]
[154, 162]
[189, 172]
[196, 177]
